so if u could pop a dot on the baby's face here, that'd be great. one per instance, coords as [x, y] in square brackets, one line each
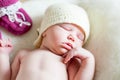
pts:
[61, 38]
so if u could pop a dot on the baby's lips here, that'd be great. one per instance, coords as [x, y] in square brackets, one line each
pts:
[69, 44]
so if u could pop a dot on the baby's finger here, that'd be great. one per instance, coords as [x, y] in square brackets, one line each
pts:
[8, 43]
[68, 57]
[2, 43]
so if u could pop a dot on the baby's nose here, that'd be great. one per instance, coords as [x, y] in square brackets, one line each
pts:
[70, 37]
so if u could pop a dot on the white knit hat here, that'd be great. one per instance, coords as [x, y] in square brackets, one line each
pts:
[64, 13]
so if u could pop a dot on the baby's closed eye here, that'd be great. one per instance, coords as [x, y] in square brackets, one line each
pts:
[66, 27]
[80, 36]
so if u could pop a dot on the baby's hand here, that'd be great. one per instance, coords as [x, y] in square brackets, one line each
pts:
[5, 46]
[79, 53]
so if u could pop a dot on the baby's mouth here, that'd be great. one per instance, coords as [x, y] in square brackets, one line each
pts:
[67, 45]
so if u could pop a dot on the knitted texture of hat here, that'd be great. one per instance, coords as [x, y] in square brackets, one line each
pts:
[64, 13]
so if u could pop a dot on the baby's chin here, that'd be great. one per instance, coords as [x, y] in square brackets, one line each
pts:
[63, 51]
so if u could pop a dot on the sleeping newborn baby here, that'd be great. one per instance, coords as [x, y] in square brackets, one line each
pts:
[59, 54]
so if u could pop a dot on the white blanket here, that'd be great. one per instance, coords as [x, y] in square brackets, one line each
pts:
[104, 39]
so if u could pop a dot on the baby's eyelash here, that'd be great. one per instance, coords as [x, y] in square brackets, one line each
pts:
[67, 28]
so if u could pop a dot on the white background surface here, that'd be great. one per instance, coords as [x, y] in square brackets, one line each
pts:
[104, 41]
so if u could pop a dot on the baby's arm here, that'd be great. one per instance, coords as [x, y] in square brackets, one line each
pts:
[16, 64]
[5, 50]
[86, 69]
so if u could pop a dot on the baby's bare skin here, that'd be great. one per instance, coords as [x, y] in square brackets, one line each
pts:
[60, 57]
[5, 49]
[40, 65]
